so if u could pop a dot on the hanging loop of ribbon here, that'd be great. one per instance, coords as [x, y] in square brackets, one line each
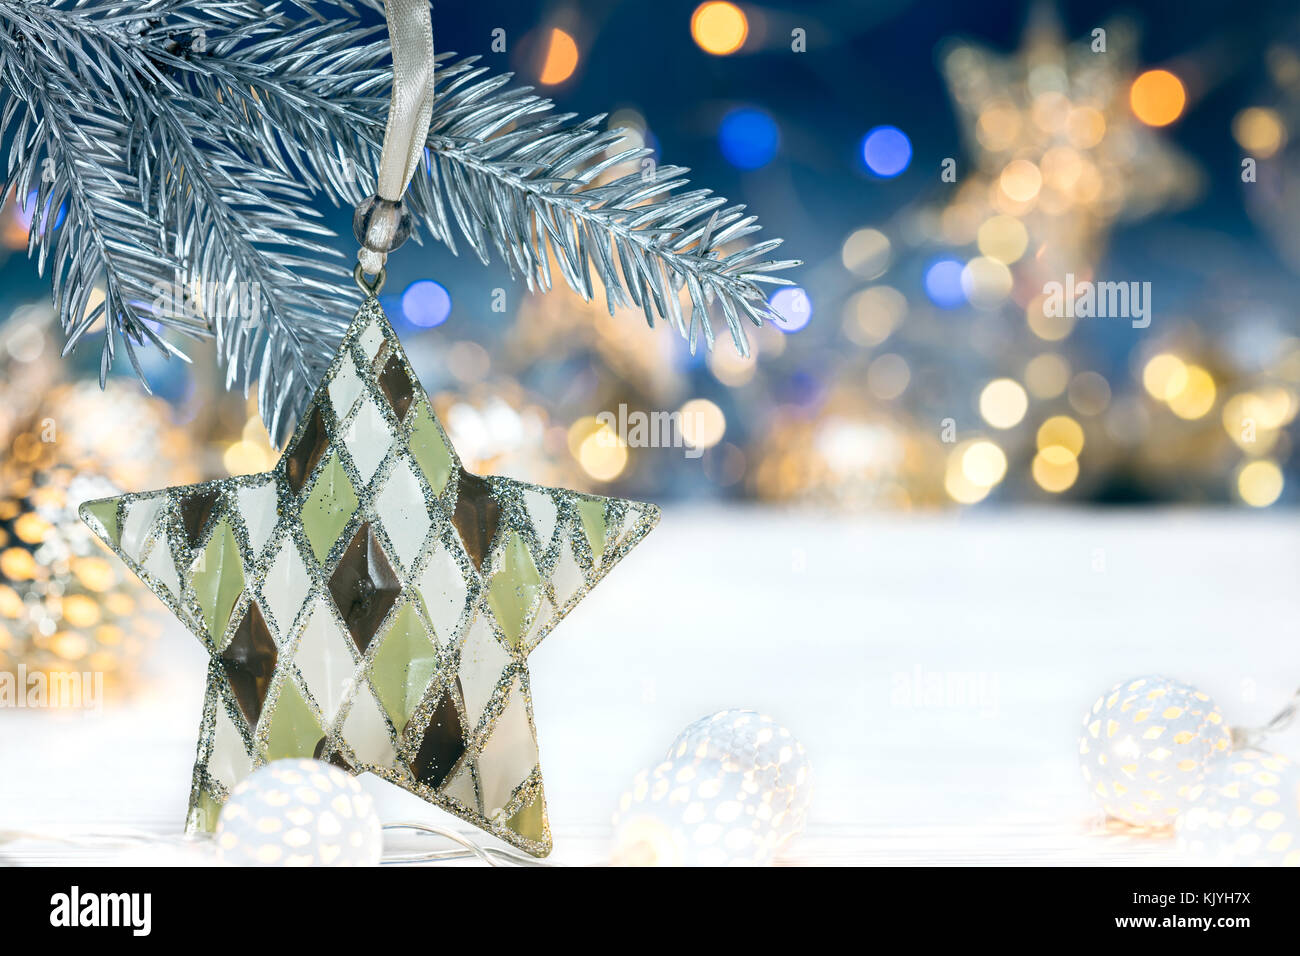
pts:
[381, 223]
[410, 31]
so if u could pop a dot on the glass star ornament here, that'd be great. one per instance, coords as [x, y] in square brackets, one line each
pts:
[369, 602]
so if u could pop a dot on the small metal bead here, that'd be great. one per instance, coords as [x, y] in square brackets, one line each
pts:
[381, 225]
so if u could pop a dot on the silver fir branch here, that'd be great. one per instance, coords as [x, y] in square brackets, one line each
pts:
[184, 142]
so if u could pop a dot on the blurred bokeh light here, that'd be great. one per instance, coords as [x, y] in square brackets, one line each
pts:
[939, 171]
[718, 27]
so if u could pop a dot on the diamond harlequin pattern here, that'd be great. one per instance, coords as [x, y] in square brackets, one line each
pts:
[371, 603]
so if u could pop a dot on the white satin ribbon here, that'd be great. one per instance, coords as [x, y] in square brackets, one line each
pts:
[410, 31]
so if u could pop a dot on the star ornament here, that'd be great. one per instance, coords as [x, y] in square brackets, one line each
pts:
[371, 603]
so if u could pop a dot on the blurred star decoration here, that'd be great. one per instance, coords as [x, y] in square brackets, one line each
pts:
[1064, 144]
[1056, 149]
[1056, 158]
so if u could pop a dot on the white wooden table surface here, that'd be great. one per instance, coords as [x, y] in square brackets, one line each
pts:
[831, 625]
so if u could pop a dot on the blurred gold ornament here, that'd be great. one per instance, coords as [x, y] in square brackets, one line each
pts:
[64, 609]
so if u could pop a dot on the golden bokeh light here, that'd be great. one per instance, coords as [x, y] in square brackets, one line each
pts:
[1157, 97]
[1085, 127]
[121, 605]
[1089, 393]
[1253, 419]
[247, 458]
[1275, 406]
[888, 376]
[1049, 111]
[866, 252]
[1164, 376]
[80, 610]
[31, 528]
[1196, 397]
[1244, 428]
[962, 490]
[69, 646]
[871, 315]
[1055, 469]
[955, 482]
[1047, 375]
[1003, 238]
[1061, 431]
[986, 282]
[561, 58]
[983, 463]
[703, 423]
[730, 367]
[597, 448]
[1259, 131]
[998, 127]
[94, 574]
[1260, 483]
[719, 28]
[1049, 328]
[580, 431]
[1021, 180]
[11, 605]
[109, 635]
[1003, 403]
[17, 564]
[1062, 168]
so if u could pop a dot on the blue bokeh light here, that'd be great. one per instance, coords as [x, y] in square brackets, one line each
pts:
[793, 308]
[27, 211]
[943, 283]
[748, 137]
[887, 151]
[426, 303]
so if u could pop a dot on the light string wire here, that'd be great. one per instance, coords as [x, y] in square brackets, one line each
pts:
[491, 855]
[125, 838]
[1247, 737]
